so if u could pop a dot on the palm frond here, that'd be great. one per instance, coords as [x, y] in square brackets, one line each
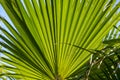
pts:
[39, 26]
[107, 68]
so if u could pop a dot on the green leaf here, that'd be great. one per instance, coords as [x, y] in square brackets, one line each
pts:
[41, 28]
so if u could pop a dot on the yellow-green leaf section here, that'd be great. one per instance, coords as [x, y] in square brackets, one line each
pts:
[40, 42]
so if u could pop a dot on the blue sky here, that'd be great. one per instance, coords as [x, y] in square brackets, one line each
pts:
[3, 14]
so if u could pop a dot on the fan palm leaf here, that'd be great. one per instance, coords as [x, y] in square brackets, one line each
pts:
[105, 65]
[40, 44]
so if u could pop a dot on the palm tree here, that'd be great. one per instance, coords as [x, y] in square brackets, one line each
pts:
[53, 39]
